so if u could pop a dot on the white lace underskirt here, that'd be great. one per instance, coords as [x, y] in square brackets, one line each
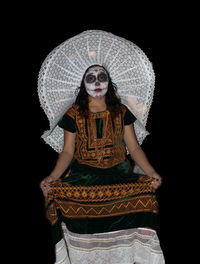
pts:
[136, 245]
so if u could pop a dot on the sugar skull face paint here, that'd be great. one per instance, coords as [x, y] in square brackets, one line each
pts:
[96, 82]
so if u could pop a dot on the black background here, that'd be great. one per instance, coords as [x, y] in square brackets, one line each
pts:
[164, 33]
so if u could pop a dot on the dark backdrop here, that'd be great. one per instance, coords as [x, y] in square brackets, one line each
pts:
[162, 35]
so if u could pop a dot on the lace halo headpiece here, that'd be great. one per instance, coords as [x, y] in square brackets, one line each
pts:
[62, 71]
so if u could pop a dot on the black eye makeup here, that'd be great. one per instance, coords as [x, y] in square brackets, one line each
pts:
[102, 77]
[90, 78]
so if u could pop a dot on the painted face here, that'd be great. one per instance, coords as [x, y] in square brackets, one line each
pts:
[96, 82]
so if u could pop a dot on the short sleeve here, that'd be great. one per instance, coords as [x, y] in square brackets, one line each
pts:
[129, 118]
[67, 122]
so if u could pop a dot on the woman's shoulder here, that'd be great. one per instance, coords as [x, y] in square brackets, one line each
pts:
[71, 111]
[129, 117]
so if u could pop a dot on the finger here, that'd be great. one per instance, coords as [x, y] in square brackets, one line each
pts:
[41, 184]
[46, 192]
[155, 184]
[159, 181]
[45, 188]
[45, 183]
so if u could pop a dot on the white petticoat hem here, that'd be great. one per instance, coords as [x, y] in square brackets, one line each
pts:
[129, 246]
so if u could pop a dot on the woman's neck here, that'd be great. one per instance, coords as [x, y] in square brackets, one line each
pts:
[97, 102]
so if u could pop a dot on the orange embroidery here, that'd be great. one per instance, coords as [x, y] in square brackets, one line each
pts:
[99, 193]
[104, 152]
[115, 199]
[144, 203]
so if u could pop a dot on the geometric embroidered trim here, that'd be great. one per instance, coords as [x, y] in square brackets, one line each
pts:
[100, 200]
[143, 203]
[98, 193]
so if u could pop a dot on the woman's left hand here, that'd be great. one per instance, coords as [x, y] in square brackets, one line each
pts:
[157, 180]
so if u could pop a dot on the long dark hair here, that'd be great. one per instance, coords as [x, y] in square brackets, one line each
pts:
[113, 101]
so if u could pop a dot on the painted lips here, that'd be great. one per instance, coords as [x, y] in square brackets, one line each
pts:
[98, 90]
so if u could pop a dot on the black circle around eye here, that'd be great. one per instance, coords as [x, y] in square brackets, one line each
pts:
[102, 77]
[90, 78]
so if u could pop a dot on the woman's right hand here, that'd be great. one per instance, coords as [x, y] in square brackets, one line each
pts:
[45, 185]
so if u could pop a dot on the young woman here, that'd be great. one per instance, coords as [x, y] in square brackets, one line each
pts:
[100, 195]
[97, 99]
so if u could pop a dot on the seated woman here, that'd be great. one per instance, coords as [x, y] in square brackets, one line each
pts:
[101, 205]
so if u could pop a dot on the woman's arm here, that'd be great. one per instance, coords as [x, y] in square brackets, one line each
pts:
[138, 155]
[63, 161]
[65, 156]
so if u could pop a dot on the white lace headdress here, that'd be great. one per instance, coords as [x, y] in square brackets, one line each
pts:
[62, 71]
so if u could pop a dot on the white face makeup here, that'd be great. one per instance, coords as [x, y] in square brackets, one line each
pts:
[96, 82]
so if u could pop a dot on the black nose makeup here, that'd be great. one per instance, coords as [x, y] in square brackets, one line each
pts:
[97, 83]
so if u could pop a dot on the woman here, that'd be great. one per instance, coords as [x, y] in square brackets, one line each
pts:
[100, 185]
[96, 100]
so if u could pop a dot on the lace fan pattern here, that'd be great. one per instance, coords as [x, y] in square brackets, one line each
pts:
[62, 71]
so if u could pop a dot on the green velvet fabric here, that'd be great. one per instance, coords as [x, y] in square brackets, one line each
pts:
[112, 223]
[84, 175]
[129, 118]
[105, 224]
[67, 123]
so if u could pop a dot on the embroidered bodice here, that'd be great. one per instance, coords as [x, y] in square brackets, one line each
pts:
[99, 138]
